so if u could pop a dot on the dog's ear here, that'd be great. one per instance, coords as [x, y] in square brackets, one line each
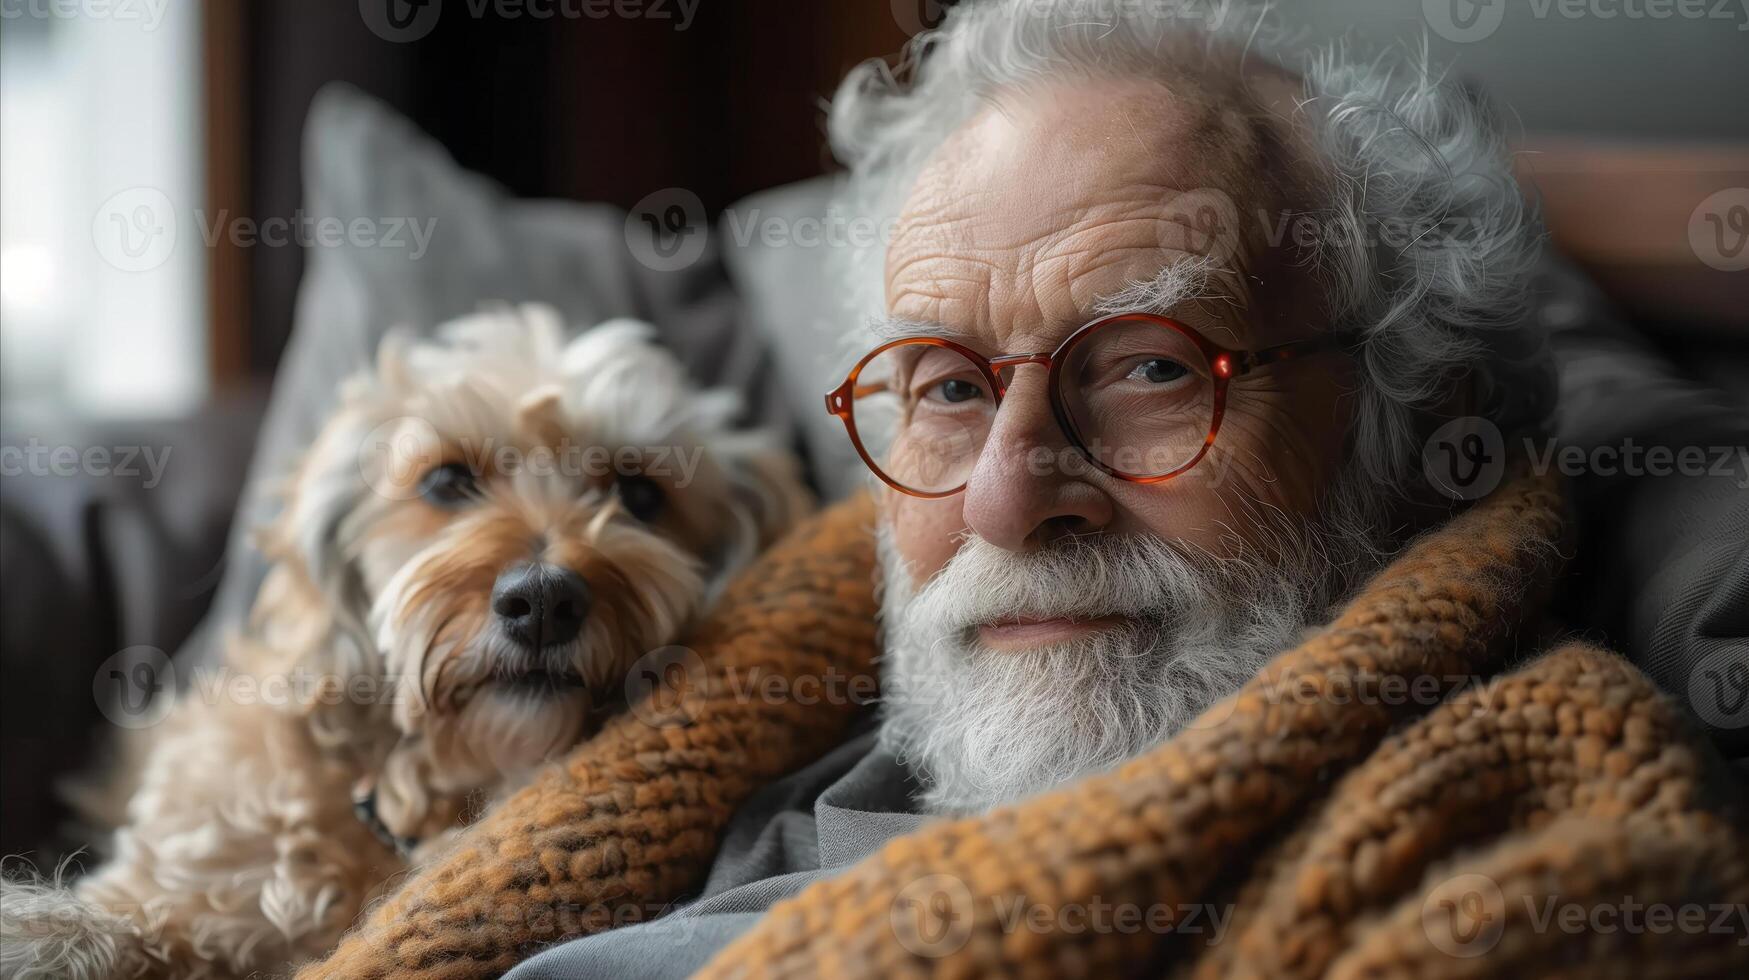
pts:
[330, 486]
[312, 577]
[767, 494]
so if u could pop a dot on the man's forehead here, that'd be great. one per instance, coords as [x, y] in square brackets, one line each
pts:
[1073, 134]
[1050, 204]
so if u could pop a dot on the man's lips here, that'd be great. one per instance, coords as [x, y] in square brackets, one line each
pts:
[1029, 633]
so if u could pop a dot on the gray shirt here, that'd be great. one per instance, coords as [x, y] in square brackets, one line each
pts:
[802, 828]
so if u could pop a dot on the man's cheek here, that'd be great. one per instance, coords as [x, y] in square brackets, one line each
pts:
[926, 532]
[1282, 456]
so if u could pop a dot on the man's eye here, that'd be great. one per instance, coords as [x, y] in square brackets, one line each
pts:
[955, 390]
[642, 496]
[449, 485]
[1159, 370]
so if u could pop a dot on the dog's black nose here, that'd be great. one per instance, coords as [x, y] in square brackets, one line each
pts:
[540, 605]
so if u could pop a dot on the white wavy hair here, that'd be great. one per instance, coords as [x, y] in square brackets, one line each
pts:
[1401, 147]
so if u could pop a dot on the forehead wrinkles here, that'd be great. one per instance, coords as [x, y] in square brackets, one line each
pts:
[1011, 220]
[1065, 277]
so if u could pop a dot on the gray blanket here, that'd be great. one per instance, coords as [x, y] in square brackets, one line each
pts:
[795, 831]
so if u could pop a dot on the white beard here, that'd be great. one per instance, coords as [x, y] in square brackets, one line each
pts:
[981, 728]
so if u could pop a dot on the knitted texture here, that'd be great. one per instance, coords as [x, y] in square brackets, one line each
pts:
[632, 818]
[1335, 833]
[1366, 806]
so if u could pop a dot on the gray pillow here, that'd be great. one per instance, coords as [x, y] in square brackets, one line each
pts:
[791, 296]
[479, 245]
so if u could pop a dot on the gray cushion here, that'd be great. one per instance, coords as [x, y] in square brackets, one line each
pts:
[791, 296]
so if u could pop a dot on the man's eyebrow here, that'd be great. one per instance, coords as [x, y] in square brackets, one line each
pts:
[885, 328]
[1178, 283]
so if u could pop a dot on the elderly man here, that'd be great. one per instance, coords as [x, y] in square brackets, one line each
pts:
[1160, 338]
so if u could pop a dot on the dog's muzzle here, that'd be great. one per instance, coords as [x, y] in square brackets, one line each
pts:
[540, 606]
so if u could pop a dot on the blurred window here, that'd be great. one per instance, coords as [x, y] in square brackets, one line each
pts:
[102, 258]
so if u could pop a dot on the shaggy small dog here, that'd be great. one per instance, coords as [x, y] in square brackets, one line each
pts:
[484, 537]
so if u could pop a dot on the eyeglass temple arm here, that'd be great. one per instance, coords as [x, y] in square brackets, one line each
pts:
[1296, 349]
[839, 399]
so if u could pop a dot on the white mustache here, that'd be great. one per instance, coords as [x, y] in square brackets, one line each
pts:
[1087, 577]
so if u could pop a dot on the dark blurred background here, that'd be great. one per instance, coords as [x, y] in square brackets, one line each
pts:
[589, 109]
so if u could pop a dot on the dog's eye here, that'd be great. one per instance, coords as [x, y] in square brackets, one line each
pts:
[642, 496]
[449, 485]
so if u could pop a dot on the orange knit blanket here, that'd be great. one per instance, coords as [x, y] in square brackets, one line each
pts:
[1364, 807]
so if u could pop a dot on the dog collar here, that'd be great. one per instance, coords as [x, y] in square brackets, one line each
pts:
[364, 807]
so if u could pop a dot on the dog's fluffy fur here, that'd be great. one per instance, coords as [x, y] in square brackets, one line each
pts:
[240, 850]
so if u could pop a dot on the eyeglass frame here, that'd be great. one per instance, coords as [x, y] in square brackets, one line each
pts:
[1224, 364]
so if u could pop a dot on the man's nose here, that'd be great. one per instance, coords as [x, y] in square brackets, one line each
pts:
[1030, 485]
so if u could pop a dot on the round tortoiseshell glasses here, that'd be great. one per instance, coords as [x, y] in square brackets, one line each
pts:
[1139, 396]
